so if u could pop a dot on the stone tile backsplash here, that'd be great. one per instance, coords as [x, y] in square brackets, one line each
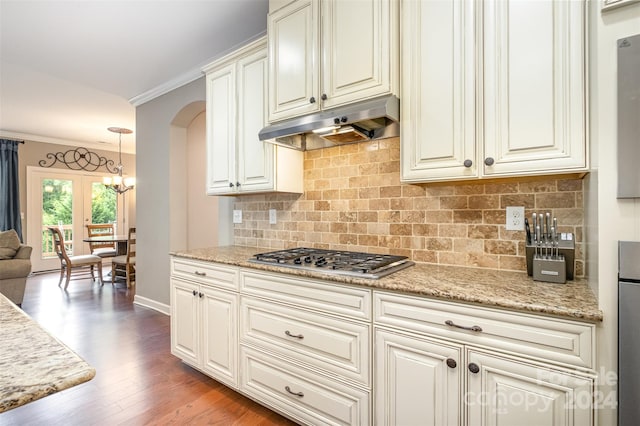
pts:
[354, 200]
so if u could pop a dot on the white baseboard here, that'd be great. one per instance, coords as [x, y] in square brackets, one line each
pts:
[152, 304]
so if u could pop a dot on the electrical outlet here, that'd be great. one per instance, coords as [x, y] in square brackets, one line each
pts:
[272, 217]
[237, 216]
[515, 218]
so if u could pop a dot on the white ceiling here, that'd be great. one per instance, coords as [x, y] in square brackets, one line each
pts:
[70, 69]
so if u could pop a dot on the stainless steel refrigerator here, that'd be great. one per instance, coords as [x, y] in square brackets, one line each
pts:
[628, 333]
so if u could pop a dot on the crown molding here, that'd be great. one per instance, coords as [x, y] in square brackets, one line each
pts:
[187, 77]
[57, 141]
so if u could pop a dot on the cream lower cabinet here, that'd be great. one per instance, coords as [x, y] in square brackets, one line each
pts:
[327, 354]
[503, 391]
[304, 348]
[418, 381]
[204, 324]
[441, 363]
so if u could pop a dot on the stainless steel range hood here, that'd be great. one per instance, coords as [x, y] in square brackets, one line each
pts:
[359, 122]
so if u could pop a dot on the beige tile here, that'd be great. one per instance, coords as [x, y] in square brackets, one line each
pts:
[390, 191]
[467, 216]
[483, 232]
[354, 200]
[500, 247]
[556, 200]
[526, 200]
[454, 202]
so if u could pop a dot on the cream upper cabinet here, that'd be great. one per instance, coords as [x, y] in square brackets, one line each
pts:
[221, 131]
[438, 125]
[237, 161]
[294, 50]
[326, 53]
[493, 89]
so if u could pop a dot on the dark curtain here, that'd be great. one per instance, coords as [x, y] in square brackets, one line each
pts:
[9, 187]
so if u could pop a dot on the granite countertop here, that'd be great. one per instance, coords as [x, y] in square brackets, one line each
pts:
[492, 288]
[33, 364]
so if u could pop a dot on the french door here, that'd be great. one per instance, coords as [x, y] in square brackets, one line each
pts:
[67, 199]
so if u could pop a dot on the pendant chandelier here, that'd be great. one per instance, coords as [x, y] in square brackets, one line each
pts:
[117, 182]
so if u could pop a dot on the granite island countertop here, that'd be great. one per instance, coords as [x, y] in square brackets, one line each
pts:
[33, 363]
[491, 288]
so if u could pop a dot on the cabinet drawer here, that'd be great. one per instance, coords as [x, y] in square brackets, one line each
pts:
[316, 295]
[205, 273]
[341, 347]
[301, 394]
[553, 340]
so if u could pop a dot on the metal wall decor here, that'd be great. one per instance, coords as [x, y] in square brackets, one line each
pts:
[80, 159]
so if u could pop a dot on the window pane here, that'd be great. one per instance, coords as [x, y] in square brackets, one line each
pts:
[103, 204]
[57, 209]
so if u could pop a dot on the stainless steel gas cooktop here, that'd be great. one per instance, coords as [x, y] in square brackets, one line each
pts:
[335, 262]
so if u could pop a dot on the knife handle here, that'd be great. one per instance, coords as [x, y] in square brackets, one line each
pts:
[527, 229]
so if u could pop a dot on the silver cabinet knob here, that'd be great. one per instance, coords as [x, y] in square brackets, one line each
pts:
[312, 100]
[468, 163]
[323, 97]
[489, 161]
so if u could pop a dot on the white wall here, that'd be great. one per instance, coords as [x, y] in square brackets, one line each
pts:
[614, 219]
[202, 209]
[155, 126]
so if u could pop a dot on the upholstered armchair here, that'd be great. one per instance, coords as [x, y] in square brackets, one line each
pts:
[15, 266]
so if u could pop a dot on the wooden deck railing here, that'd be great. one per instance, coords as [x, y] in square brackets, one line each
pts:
[48, 244]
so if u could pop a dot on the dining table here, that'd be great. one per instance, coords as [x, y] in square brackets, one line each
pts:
[120, 241]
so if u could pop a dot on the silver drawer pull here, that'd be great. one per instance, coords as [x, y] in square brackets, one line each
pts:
[288, 389]
[472, 328]
[202, 274]
[297, 336]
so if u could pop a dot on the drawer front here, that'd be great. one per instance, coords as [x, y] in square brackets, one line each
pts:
[341, 347]
[553, 340]
[317, 295]
[305, 396]
[205, 273]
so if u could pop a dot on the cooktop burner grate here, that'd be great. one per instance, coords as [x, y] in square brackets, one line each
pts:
[339, 262]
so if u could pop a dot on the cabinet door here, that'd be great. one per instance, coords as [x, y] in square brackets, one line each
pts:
[220, 334]
[185, 328]
[221, 122]
[293, 60]
[438, 90]
[534, 86]
[413, 383]
[507, 392]
[360, 47]
[255, 158]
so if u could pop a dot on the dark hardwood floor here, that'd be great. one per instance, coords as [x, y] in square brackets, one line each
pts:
[138, 381]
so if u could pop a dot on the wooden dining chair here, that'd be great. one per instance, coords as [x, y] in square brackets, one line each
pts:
[78, 266]
[101, 249]
[126, 263]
